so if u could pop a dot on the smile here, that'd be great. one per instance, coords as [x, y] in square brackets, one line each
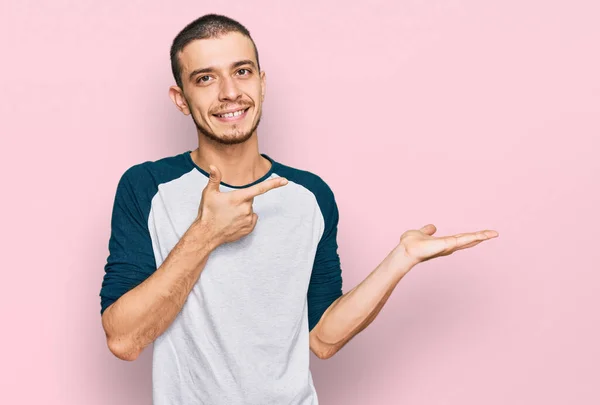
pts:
[233, 115]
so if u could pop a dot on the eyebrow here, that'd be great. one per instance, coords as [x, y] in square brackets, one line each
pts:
[233, 66]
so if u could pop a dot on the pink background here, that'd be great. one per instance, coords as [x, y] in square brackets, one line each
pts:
[465, 114]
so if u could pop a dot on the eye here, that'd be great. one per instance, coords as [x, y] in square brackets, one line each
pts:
[244, 72]
[203, 79]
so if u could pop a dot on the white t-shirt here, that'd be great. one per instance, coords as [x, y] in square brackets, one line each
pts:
[242, 337]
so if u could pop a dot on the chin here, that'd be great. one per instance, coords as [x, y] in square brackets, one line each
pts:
[231, 138]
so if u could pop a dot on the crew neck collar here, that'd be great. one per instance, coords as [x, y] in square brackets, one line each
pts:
[188, 156]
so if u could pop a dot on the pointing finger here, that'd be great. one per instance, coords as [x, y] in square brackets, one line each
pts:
[261, 188]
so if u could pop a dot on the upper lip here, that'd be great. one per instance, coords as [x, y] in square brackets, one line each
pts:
[230, 111]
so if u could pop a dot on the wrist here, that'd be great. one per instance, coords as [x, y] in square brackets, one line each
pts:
[201, 236]
[401, 260]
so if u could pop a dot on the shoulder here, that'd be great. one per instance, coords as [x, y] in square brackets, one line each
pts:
[316, 185]
[307, 179]
[139, 183]
[148, 175]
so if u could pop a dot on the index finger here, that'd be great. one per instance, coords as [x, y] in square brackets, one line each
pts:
[261, 188]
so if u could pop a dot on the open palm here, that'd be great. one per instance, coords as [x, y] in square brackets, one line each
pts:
[420, 245]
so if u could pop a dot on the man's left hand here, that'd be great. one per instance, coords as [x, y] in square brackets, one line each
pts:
[420, 245]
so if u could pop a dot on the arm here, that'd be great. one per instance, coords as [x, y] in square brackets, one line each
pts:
[139, 301]
[354, 311]
[142, 314]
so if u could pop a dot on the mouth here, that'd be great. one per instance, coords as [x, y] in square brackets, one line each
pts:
[234, 115]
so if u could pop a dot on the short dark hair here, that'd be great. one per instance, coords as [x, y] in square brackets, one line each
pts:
[205, 27]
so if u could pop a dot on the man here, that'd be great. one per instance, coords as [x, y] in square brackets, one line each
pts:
[226, 259]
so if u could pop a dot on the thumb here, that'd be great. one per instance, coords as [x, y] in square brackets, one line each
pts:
[428, 229]
[215, 178]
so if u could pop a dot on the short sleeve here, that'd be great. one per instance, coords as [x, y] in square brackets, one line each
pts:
[326, 280]
[131, 257]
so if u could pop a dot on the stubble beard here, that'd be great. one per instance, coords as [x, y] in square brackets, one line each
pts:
[236, 138]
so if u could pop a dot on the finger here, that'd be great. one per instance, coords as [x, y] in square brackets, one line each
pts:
[254, 220]
[468, 245]
[477, 242]
[428, 229]
[464, 239]
[215, 179]
[261, 188]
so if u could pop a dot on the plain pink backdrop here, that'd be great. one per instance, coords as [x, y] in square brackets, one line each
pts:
[466, 114]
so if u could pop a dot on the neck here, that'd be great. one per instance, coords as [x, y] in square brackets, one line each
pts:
[239, 164]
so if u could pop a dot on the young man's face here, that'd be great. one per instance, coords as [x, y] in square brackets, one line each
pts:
[220, 77]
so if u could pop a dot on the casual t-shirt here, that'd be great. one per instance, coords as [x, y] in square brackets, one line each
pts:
[242, 336]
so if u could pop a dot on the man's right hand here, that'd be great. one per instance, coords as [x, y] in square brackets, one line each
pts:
[229, 216]
[142, 314]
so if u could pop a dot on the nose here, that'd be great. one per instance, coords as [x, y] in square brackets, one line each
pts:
[229, 90]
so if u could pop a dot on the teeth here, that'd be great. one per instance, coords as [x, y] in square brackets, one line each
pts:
[231, 115]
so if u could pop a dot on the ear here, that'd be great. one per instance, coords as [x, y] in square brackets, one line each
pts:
[176, 95]
[263, 84]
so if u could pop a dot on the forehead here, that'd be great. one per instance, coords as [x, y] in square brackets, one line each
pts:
[219, 52]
